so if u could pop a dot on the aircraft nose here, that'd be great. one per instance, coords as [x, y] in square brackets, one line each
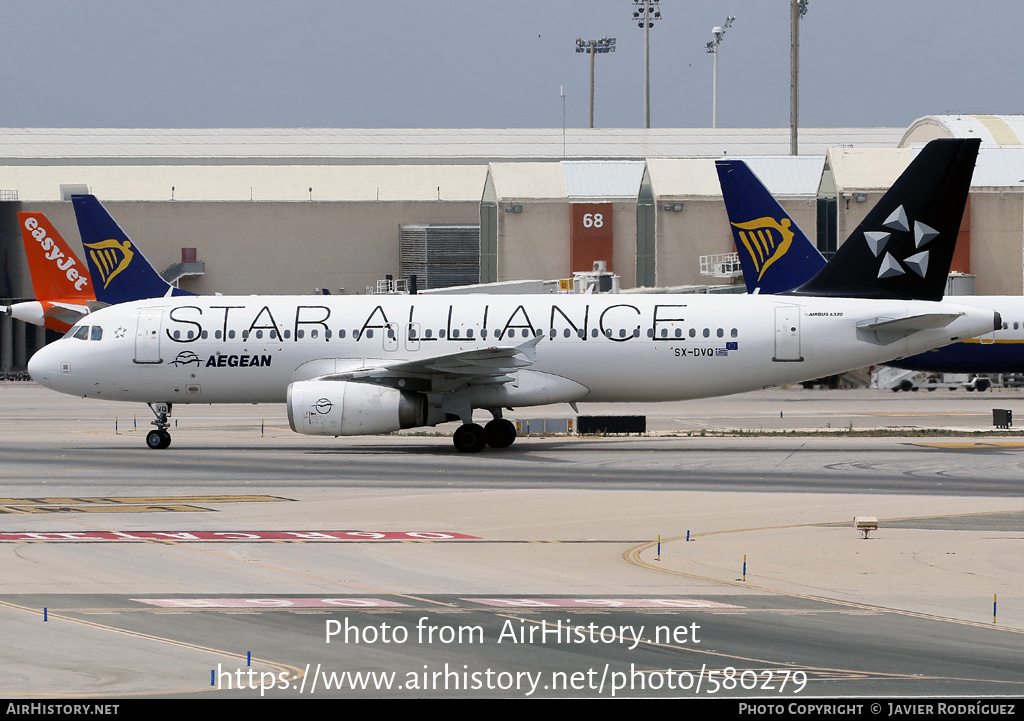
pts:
[42, 366]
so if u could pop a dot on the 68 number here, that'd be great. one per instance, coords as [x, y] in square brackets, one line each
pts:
[593, 220]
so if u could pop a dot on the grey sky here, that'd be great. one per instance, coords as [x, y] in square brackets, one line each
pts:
[269, 63]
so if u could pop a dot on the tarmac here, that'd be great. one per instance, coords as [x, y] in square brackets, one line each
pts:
[769, 521]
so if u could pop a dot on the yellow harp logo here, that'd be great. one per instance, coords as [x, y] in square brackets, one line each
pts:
[766, 240]
[110, 257]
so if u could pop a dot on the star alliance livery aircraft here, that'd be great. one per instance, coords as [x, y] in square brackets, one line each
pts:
[777, 257]
[349, 365]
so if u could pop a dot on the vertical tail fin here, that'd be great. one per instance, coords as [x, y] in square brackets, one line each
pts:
[57, 273]
[905, 245]
[774, 253]
[120, 272]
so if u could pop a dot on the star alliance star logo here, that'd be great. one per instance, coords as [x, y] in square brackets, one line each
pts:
[119, 333]
[877, 240]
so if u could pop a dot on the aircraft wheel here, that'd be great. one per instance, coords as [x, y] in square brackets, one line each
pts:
[500, 433]
[158, 440]
[469, 438]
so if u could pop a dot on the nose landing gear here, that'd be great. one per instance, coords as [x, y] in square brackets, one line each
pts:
[160, 438]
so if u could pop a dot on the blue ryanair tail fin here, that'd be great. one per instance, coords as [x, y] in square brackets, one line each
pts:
[774, 253]
[119, 270]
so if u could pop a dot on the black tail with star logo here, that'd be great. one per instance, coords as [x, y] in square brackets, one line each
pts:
[904, 247]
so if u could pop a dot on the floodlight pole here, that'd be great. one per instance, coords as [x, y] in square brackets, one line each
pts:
[718, 34]
[592, 56]
[798, 8]
[714, 92]
[645, 12]
[593, 47]
[647, 74]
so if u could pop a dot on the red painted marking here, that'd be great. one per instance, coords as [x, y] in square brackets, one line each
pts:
[236, 536]
[271, 602]
[600, 603]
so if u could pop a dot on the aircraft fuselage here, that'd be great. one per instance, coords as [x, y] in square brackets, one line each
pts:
[249, 349]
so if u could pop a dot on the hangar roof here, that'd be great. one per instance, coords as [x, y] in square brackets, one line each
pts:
[999, 168]
[522, 181]
[867, 169]
[784, 175]
[602, 178]
[994, 130]
[593, 179]
[266, 146]
[251, 182]
[877, 168]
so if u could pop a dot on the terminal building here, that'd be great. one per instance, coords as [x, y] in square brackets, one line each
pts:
[298, 211]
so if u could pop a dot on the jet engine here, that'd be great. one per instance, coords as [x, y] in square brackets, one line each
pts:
[346, 408]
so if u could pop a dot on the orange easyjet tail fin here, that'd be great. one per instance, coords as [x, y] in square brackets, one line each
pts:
[57, 274]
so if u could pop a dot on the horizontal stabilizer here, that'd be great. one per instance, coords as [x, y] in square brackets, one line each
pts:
[887, 330]
[56, 308]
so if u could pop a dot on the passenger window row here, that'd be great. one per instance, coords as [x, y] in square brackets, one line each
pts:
[456, 333]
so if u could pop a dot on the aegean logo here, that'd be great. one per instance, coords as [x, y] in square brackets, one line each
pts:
[186, 357]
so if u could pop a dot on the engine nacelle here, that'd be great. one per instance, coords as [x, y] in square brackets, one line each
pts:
[30, 311]
[345, 408]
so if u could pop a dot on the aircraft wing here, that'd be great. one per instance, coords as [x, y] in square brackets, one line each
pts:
[447, 372]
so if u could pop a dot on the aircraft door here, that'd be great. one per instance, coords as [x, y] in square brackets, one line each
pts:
[787, 334]
[147, 336]
[391, 337]
[412, 336]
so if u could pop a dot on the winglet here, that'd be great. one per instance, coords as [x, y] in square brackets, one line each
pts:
[120, 271]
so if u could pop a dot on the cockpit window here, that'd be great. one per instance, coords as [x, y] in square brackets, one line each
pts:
[82, 333]
[97, 333]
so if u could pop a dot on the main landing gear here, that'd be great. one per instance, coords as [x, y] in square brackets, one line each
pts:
[471, 438]
[160, 438]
